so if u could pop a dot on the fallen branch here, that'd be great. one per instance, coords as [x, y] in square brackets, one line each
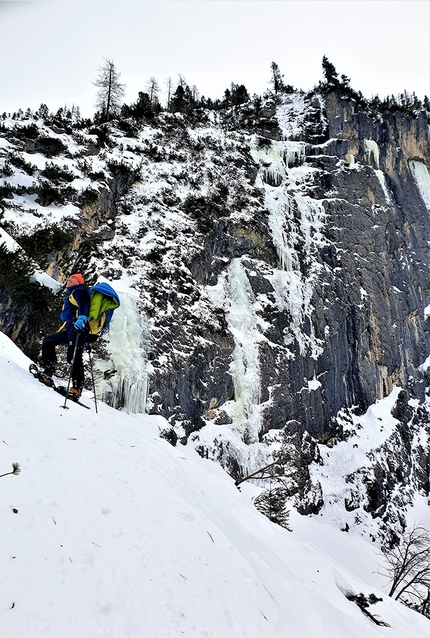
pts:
[263, 469]
[15, 470]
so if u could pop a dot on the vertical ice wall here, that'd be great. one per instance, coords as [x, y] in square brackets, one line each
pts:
[127, 346]
[245, 367]
[422, 179]
[279, 211]
[294, 289]
[296, 222]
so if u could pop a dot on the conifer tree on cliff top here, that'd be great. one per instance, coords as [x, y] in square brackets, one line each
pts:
[330, 74]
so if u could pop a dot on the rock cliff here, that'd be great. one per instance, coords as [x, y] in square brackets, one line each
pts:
[277, 264]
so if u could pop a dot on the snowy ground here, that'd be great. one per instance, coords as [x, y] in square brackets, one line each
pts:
[110, 531]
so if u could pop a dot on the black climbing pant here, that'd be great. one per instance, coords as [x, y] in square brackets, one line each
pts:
[65, 337]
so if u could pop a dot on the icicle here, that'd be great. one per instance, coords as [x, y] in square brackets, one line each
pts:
[294, 153]
[272, 176]
[245, 366]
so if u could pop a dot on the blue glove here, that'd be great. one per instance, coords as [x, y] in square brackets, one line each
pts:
[80, 323]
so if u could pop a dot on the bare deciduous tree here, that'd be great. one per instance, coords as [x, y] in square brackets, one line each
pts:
[195, 93]
[407, 569]
[111, 91]
[153, 90]
[181, 80]
[169, 86]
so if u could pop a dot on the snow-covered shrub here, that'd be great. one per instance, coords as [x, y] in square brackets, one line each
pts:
[19, 162]
[122, 169]
[29, 131]
[88, 197]
[47, 193]
[45, 241]
[6, 191]
[55, 173]
[7, 169]
[50, 146]
[363, 602]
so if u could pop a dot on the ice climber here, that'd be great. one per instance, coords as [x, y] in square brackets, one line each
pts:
[72, 333]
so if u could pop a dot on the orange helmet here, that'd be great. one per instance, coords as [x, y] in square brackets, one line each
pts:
[74, 280]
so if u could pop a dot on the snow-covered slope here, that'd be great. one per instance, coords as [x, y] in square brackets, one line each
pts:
[110, 531]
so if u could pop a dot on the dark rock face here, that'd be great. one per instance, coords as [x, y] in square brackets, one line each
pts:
[362, 330]
[16, 322]
[380, 250]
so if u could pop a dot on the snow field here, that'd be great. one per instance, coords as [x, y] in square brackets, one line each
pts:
[117, 533]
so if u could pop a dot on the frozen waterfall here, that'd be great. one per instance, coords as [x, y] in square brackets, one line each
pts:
[245, 367]
[127, 347]
[296, 222]
[422, 179]
[279, 209]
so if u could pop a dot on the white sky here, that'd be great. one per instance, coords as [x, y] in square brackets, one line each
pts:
[50, 51]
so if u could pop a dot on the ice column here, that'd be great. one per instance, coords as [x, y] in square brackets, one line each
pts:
[127, 346]
[279, 207]
[245, 366]
[422, 179]
[381, 177]
[371, 151]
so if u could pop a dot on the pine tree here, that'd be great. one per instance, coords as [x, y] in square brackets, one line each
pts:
[108, 98]
[227, 99]
[177, 102]
[272, 503]
[276, 80]
[142, 108]
[257, 103]
[330, 74]
[238, 94]
[182, 100]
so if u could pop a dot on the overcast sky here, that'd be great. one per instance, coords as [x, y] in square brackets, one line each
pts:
[50, 51]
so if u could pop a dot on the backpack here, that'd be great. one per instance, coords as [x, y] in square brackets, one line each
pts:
[103, 301]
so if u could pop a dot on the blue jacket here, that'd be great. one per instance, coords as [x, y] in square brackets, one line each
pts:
[76, 303]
